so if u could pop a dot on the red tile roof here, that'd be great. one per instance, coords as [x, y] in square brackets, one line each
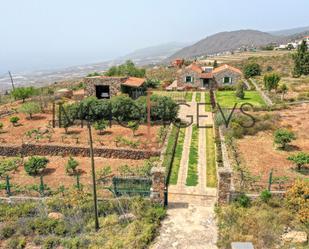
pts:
[134, 82]
[206, 76]
[224, 67]
[196, 68]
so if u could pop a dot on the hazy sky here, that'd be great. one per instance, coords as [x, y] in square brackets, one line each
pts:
[37, 34]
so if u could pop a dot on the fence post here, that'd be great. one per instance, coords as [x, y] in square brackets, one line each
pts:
[270, 180]
[41, 188]
[77, 182]
[8, 186]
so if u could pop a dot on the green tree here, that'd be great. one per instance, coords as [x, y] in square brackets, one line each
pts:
[35, 165]
[301, 60]
[133, 125]
[100, 125]
[71, 166]
[23, 92]
[251, 70]
[215, 64]
[151, 83]
[240, 92]
[14, 120]
[126, 69]
[283, 137]
[93, 74]
[283, 89]
[271, 81]
[30, 108]
[300, 159]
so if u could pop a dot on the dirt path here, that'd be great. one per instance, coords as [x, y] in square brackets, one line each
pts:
[190, 221]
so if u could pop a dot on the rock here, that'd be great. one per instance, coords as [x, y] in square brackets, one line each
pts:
[295, 237]
[55, 216]
[127, 217]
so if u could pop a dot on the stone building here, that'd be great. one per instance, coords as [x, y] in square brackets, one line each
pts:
[197, 77]
[105, 87]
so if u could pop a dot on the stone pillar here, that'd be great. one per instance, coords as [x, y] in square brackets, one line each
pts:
[224, 186]
[158, 185]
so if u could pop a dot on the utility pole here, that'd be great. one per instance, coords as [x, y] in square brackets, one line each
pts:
[13, 87]
[148, 115]
[94, 186]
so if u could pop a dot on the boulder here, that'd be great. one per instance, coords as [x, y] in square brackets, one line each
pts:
[64, 93]
[295, 237]
[55, 216]
[127, 217]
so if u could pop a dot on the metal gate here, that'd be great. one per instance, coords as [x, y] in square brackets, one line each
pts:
[131, 186]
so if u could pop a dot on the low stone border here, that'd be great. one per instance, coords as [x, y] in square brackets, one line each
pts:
[59, 150]
[267, 100]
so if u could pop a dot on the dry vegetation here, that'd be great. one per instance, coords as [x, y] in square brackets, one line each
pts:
[75, 135]
[264, 157]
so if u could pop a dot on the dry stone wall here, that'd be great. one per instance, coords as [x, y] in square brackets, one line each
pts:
[59, 150]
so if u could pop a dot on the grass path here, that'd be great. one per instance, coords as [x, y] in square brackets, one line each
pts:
[177, 157]
[198, 97]
[188, 96]
[211, 173]
[192, 175]
[207, 102]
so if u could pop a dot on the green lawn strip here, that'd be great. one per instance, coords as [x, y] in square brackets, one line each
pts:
[227, 99]
[169, 149]
[177, 96]
[207, 102]
[188, 96]
[198, 97]
[192, 176]
[177, 158]
[211, 178]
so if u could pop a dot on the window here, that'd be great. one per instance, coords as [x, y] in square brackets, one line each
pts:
[189, 79]
[227, 80]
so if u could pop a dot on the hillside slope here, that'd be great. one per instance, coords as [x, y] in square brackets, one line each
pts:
[287, 32]
[227, 41]
[155, 53]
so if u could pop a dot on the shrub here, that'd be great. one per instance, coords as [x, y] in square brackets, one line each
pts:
[1, 126]
[14, 120]
[297, 198]
[271, 81]
[30, 108]
[35, 165]
[300, 159]
[100, 125]
[7, 232]
[240, 93]
[251, 70]
[283, 137]
[133, 125]
[265, 195]
[51, 243]
[71, 166]
[9, 164]
[16, 243]
[243, 200]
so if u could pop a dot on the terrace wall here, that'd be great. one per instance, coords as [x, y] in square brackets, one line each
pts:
[59, 150]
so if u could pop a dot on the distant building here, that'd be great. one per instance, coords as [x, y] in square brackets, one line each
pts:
[178, 63]
[306, 38]
[104, 87]
[197, 77]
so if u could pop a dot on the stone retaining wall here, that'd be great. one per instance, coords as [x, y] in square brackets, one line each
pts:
[59, 150]
[225, 174]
